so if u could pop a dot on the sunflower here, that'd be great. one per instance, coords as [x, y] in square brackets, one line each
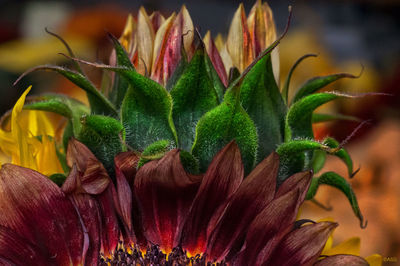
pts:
[176, 162]
[183, 218]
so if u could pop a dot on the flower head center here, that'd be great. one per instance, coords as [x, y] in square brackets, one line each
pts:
[153, 256]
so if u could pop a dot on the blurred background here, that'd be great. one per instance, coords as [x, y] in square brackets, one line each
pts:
[346, 35]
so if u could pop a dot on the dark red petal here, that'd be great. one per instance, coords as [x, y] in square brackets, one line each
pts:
[15, 250]
[89, 211]
[299, 181]
[342, 260]
[165, 192]
[220, 182]
[110, 229]
[127, 163]
[124, 198]
[253, 195]
[94, 178]
[36, 209]
[268, 228]
[72, 183]
[302, 246]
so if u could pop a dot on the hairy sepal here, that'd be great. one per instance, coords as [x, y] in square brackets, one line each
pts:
[103, 136]
[226, 122]
[193, 96]
[260, 97]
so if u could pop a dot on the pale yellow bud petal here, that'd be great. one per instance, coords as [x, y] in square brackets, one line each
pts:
[145, 41]
[238, 43]
[126, 38]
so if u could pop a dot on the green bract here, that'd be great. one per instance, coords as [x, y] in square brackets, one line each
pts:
[197, 114]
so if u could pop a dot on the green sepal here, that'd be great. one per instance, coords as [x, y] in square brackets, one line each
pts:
[312, 190]
[319, 118]
[317, 83]
[99, 104]
[234, 75]
[342, 154]
[189, 162]
[193, 96]
[334, 180]
[285, 90]
[103, 135]
[68, 134]
[226, 122]
[154, 151]
[146, 111]
[62, 105]
[293, 157]
[216, 80]
[180, 68]
[120, 85]
[298, 119]
[318, 160]
[261, 98]
[58, 178]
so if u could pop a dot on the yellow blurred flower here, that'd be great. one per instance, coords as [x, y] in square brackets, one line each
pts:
[30, 142]
[350, 246]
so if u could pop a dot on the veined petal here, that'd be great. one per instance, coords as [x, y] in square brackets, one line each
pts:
[156, 20]
[253, 195]
[16, 250]
[89, 211]
[299, 181]
[342, 260]
[263, 33]
[125, 199]
[37, 210]
[182, 31]
[94, 178]
[238, 42]
[160, 43]
[302, 246]
[215, 58]
[165, 192]
[220, 182]
[127, 163]
[145, 40]
[268, 228]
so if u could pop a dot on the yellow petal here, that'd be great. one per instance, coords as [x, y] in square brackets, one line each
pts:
[47, 153]
[238, 43]
[328, 245]
[374, 260]
[145, 40]
[24, 153]
[126, 38]
[351, 247]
